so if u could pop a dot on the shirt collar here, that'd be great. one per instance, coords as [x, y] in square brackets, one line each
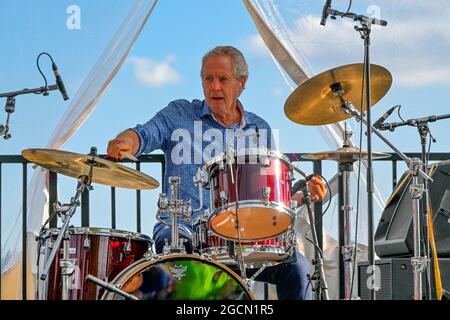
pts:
[206, 111]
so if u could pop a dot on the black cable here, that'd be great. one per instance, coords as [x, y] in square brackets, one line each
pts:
[349, 6]
[398, 112]
[328, 205]
[40, 71]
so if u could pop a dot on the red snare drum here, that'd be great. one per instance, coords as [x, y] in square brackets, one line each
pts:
[264, 200]
[254, 253]
[103, 253]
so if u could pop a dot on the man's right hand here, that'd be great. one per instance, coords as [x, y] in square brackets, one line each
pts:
[127, 142]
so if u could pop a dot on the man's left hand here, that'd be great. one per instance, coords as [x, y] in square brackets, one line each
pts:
[317, 189]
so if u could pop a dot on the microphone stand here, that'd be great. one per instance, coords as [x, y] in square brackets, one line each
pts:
[424, 130]
[10, 106]
[364, 31]
[415, 166]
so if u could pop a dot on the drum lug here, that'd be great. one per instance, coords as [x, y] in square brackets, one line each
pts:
[224, 197]
[127, 247]
[293, 204]
[222, 166]
[87, 243]
[266, 193]
[291, 175]
[265, 162]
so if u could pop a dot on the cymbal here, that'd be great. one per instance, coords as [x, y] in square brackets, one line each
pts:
[345, 154]
[315, 103]
[104, 171]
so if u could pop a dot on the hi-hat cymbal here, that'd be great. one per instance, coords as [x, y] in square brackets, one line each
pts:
[76, 165]
[345, 154]
[315, 103]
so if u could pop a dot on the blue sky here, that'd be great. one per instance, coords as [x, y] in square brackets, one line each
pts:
[414, 48]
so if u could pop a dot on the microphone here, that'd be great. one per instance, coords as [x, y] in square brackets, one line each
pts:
[325, 12]
[59, 82]
[376, 21]
[379, 122]
[299, 185]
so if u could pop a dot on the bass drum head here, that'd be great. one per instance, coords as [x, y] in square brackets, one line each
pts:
[180, 277]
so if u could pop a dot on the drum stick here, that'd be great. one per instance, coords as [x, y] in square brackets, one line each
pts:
[300, 171]
[110, 287]
[128, 156]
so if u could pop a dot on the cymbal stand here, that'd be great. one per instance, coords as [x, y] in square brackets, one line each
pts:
[66, 211]
[415, 165]
[321, 287]
[175, 208]
[345, 209]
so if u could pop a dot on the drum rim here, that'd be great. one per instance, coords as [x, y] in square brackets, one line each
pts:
[99, 231]
[157, 258]
[252, 204]
[256, 152]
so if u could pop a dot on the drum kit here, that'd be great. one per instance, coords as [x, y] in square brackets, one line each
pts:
[250, 222]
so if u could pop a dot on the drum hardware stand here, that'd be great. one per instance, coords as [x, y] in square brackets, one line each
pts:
[424, 130]
[249, 281]
[365, 30]
[66, 211]
[175, 208]
[345, 210]
[321, 287]
[111, 287]
[415, 166]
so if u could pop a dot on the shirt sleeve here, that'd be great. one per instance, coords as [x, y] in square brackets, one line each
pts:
[153, 134]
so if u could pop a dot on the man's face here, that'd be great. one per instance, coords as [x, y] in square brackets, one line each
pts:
[220, 86]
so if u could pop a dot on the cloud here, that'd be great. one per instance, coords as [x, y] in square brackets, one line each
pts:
[255, 44]
[414, 46]
[277, 91]
[154, 74]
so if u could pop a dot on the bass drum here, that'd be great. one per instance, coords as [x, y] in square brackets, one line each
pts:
[179, 277]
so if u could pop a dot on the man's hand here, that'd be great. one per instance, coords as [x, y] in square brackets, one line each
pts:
[125, 143]
[316, 188]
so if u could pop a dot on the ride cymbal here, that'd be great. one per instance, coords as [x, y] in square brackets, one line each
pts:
[316, 101]
[103, 171]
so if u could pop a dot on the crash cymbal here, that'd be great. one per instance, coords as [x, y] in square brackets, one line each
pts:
[104, 171]
[345, 154]
[315, 103]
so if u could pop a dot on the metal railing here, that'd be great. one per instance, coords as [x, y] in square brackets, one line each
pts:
[158, 158]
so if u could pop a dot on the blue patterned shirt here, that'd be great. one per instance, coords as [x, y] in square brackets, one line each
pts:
[189, 135]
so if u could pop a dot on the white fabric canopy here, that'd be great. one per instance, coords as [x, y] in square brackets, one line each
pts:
[82, 105]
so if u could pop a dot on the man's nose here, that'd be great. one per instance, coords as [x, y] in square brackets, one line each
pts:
[216, 85]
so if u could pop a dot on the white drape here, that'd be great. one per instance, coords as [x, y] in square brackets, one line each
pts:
[82, 105]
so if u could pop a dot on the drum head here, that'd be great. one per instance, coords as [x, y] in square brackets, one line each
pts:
[180, 277]
[256, 221]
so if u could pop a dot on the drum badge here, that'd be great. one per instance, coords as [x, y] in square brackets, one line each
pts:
[178, 271]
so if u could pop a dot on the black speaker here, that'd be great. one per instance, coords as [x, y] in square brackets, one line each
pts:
[396, 279]
[394, 234]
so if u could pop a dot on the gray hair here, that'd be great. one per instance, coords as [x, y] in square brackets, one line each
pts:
[238, 62]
